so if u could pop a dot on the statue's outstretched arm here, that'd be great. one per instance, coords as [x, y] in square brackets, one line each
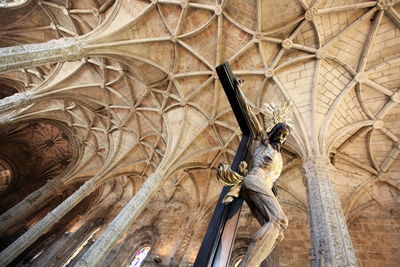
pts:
[255, 124]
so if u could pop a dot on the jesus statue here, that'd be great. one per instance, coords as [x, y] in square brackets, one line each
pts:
[255, 185]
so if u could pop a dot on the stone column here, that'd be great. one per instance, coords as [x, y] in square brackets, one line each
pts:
[29, 55]
[29, 205]
[180, 252]
[9, 105]
[44, 225]
[15, 101]
[331, 243]
[117, 228]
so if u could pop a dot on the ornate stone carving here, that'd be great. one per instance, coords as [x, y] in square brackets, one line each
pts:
[15, 101]
[29, 55]
[218, 10]
[330, 238]
[378, 124]
[396, 97]
[269, 73]
[184, 4]
[174, 38]
[310, 14]
[287, 44]
[321, 53]
[361, 77]
[385, 4]
[121, 223]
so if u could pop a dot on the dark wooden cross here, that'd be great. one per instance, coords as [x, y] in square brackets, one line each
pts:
[218, 242]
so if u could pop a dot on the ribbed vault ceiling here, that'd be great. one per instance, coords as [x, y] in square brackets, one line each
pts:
[148, 87]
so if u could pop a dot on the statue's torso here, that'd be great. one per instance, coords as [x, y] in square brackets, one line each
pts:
[267, 166]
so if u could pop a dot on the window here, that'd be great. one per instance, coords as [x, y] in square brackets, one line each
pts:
[237, 262]
[79, 249]
[5, 175]
[12, 3]
[140, 255]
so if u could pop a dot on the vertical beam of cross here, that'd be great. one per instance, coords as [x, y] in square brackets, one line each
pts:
[218, 242]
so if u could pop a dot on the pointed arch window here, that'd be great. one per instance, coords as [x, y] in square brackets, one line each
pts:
[79, 249]
[237, 262]
[6, 175]
[139, 256]
[12, 3]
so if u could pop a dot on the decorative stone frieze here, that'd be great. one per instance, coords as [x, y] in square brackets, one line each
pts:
[331, 243]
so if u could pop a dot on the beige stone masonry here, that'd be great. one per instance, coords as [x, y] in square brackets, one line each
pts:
[331, 243]
[29, 205]
[29, 55]
[44, 225]
[117, 228]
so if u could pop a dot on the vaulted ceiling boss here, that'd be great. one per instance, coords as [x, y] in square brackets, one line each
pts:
[113, 122]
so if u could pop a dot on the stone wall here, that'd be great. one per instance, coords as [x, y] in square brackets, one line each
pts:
[375, 233]
[294, 249]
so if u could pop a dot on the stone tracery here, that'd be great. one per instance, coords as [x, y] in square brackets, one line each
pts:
[334, 78]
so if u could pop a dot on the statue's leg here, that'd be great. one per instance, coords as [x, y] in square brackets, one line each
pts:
[262, 244]
[264, 240]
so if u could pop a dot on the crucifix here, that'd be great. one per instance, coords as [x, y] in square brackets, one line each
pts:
[218, 241]
[254, 185]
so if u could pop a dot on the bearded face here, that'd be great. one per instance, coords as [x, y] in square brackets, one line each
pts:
[278, 134]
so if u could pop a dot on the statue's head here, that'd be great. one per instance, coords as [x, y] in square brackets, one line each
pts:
[279, 134]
